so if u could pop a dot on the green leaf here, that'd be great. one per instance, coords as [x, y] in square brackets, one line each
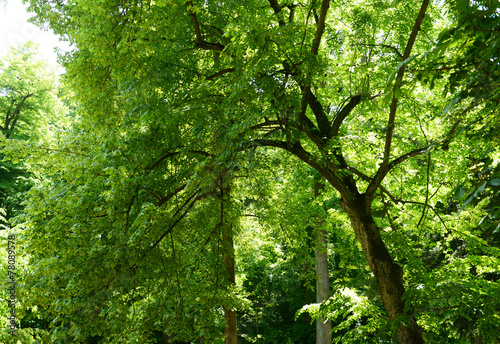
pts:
[459, 192]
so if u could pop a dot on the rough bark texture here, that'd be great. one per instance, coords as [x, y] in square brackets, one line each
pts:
[323, 326]
[388, 274]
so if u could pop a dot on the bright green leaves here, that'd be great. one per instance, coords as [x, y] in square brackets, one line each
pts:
[355, 318]
[28, 102]
[167, 109]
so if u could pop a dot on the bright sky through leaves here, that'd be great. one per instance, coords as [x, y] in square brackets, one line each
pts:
[15, 28]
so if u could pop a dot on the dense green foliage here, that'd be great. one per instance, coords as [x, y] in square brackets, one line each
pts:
[30, 112]
[199, 124]
[29, 108]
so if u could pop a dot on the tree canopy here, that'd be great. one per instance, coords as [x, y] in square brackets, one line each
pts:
[191, 115]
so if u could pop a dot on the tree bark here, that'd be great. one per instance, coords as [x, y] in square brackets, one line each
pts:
[323, 326]
[388, 274]
[230, 332]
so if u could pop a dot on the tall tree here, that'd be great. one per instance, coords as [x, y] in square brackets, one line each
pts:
[30, 111]
[29, 106]
[28, 100]
[182, 92]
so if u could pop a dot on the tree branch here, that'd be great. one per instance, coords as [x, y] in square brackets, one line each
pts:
[172, 154]
[308, 127]
[406, 156]
[189, 206]
[200, 43]
[162, 200]
[222, 72]
[277, 10]
[299, 151]
[319, 113]
[386, 166]
[267, 124]
[320, 26]
[399, 79]
[346, 110]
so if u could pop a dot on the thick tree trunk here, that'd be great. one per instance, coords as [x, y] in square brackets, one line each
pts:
[323, 326]
[388, 274]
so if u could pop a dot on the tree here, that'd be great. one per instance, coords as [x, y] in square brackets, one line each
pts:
[28, 107]
[28, 101]
[183, 93]
[30, 110]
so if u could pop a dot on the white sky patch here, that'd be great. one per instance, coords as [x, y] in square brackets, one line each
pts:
[14, 28]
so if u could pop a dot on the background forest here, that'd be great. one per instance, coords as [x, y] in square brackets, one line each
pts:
[253, 171]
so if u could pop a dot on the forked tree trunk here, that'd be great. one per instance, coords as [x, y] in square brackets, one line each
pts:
[323, 326]
[388, 274]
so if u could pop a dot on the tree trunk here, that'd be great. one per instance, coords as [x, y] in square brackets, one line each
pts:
[230, 332]
[388, 274]
[323, 326]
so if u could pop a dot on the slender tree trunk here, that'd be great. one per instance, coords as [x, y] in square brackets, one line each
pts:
[388, 274]
[229, 313]
[323, 326]
[230, 332]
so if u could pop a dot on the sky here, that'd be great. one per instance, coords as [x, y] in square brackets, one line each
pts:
[14, 28]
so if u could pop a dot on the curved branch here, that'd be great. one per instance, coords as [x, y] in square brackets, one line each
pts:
[299, 151]
[172, 154]
[346, 110]
[200, 43]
